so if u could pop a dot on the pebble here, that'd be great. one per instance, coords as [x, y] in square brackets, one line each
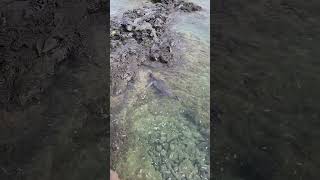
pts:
[163, 152]
[159, 148]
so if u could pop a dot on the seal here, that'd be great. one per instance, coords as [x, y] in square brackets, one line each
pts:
[160, 86]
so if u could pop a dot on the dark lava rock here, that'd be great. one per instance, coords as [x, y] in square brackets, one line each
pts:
[188, 6]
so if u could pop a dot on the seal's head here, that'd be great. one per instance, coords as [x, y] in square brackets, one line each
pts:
[149, 73]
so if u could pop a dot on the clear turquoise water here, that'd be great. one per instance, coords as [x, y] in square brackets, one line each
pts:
[169, 138]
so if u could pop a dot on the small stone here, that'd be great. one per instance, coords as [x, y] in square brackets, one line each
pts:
[163, 152]
[113, 33]
[163, 139]
[158, 22]
[172, 147]
[163, 168]
[158, 148]
[129, 28]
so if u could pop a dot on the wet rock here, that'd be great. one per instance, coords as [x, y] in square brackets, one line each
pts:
[185, 162]
[188, 6]
[181, 5]
[164, 1]
[155, 53]
[129, 28]
[159, 148]
[172, 147]
[163, 152]
[113, 33]
[163, 139]
[158, 22]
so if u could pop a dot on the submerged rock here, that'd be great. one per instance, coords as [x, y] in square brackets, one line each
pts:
[188, 6]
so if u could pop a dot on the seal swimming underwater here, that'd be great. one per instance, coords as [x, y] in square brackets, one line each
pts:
[160, 86]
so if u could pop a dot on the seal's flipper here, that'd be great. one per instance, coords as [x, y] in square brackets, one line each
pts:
[176, 98]
[150, 84]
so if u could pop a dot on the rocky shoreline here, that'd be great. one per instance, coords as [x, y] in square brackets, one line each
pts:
[141, 37]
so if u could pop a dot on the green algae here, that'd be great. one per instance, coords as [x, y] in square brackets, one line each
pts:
[166, 138]
[137, 165]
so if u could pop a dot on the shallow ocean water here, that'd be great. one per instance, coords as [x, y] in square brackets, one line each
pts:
[169, 138]
[119, 6]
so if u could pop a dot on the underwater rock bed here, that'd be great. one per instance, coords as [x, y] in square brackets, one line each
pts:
[165, 144]
[175, 153]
